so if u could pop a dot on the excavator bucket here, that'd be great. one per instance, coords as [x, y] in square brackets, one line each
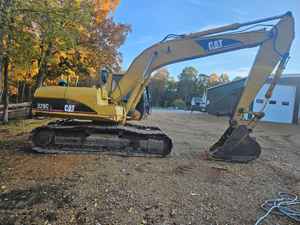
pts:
[235, 145]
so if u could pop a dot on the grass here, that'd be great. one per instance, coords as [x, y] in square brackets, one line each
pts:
[15, 127]
[14, 133]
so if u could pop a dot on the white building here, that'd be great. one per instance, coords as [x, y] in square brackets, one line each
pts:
[283, 107]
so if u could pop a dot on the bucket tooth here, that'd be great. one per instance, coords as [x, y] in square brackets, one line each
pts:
[235, 145]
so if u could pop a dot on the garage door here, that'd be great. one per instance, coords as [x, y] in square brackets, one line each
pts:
[281, 105]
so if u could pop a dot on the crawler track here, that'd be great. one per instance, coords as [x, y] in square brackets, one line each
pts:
[84, 137]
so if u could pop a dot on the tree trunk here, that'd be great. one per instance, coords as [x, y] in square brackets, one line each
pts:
[1, 62]
[4, 60]
[43, 67]
[39, 78]
[23, 91]
[29, 93]
[1, 48]
[18, 91]
[4, 5]
[5, 90]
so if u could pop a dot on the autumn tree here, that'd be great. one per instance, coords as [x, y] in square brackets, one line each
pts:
[55, 31]
[96, 47]
[74, 37]
[224, 78]
[70, 38]
[213, 79]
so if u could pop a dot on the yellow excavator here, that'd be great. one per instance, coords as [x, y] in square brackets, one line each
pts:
[95, 118]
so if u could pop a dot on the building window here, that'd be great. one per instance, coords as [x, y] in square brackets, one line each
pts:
[285, 103]
[259, 101]
[272, 102]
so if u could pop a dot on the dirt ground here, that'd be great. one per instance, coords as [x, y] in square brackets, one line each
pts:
[180, 189]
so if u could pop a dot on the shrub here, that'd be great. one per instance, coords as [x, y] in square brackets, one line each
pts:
[179, 103]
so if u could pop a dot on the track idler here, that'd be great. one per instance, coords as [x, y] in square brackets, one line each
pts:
[235, 145]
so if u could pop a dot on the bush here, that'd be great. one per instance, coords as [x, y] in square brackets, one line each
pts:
[179, 103]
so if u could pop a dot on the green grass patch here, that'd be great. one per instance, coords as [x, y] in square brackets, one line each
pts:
[17, 127]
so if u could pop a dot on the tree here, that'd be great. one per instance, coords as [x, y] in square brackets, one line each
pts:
[213, 79]
[5, 62]
[187, 84]
[158, 85]
[2, 16]
[224, 78]
[179, 103]
[7, 9]
[170, 92]
[56, 28]
[200, 85]
[72, 38]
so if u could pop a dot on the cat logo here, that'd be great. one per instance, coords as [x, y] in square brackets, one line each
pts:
[213, 45]
[69, 108]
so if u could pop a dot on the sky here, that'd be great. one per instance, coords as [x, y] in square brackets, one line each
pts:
[152, 20]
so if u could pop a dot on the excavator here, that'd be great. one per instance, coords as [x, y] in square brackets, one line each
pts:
[97, 119]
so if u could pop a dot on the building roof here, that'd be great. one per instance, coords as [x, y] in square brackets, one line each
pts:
[288, 75]
[228, 83]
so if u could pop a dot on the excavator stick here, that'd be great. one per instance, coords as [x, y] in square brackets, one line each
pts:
[235, 145]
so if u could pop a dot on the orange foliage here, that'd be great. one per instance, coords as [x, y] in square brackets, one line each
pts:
[103, 8]
[92, 53]
[213, 78]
